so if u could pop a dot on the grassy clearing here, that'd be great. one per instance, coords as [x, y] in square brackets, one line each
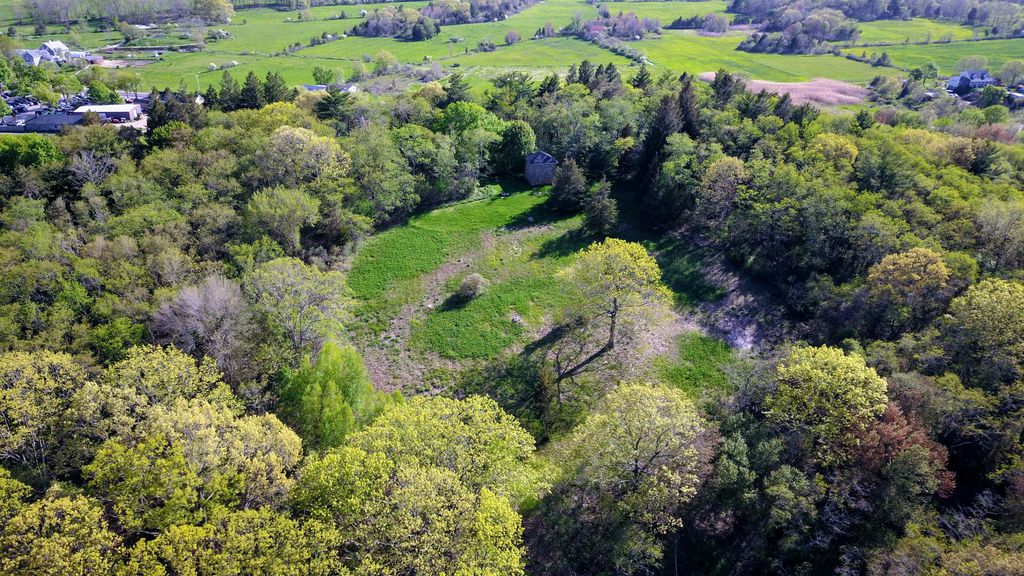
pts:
[946, 55]
[689, 51]
[524, 292]
[913, 30]
[700, 365]
[427, 241]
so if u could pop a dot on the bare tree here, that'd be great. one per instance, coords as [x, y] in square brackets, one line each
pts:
[206, 320]
[89, 167]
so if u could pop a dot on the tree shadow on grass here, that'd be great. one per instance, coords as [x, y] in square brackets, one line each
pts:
[454, 302]
[563, 245]
[681, 271]
[535, 216]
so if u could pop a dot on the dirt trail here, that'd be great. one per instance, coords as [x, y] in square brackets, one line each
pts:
[746, 316]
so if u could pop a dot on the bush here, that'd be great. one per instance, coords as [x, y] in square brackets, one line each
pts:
[472, 286]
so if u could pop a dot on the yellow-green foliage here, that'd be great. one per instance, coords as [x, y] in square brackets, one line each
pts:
[827, 394]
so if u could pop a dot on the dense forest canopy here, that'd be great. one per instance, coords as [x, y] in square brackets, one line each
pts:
[192, 318]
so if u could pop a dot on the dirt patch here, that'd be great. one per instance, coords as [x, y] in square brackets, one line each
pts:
[820, 91]
[118, 63]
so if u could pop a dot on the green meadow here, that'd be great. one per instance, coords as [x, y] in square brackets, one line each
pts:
[947, 55]
[690, 51]
[411, 274]
[913, 30]
[258, 34]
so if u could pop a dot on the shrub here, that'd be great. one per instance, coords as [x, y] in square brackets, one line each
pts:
[472, 286]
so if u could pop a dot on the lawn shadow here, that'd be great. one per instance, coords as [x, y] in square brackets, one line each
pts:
[454, 302]
[535, 216]
[681, 271]
[563, 245]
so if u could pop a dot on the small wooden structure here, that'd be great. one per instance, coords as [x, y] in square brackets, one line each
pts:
[540, 168]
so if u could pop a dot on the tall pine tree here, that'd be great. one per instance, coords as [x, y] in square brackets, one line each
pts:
[666, 123]
[251, 95]
[230, 93]
[642, 79]
[689, 112]
[274, 88]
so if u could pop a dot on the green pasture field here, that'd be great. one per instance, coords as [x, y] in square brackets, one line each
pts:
[947, 55]
[913, 30]
[257, 33]
[690, 51]
[666, 12]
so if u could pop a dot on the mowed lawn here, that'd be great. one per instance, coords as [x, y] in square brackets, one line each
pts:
[947, 55]
[913, 30]
[690, 51]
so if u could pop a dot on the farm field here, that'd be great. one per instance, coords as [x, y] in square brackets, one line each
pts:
[668, 11]
[689, 51]
[947, 55]
[259, 33]
[913, 30]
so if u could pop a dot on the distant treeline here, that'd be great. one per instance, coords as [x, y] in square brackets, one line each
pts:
[1004, 17]
[138, 11]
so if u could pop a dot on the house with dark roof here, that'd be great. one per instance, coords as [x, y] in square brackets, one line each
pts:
[969, 80]
[540, 168]
[52, 122]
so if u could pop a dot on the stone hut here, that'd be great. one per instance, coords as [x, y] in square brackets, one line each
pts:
[540, 168]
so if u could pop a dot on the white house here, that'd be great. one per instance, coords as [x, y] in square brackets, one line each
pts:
[50, 51]
[117, 112]
[55, 48]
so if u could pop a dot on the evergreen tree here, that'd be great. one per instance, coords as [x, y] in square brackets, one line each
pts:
[456, 90]
[666, 123]
[549, 85]
[642, 80]
[251, 95]
[573, 75]
[725, 87]
[600, 211]
[210, 97]
[569, 188]
[611, 74]
[784, 108]
[275, 89]
[586, 73]
[336, 106]
[689, 112]
[230, 92]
